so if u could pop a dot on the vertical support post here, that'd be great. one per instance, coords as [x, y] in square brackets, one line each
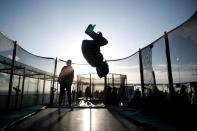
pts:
[105, 89]
[57, 93]
[37, 92]
[77, 86]
[43, 89]
[105, 81]
[112, 80]
[93, 88]
[170, 79]
[11, 75]
[17, 92]
[21, 104]
[154, 80]
[126, 80]
[52, 88]
[126, 87]
[141, 73]
[90, 86]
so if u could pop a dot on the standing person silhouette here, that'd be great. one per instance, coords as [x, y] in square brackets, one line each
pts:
[91, 51]
[65, 79]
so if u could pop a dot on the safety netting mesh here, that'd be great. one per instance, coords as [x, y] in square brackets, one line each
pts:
[155, 68]
[183, 49]
[36, 66]
[110, 91]
[127, 66]
[6, 52]
[32, 72]
[122, 84]
[183, 46]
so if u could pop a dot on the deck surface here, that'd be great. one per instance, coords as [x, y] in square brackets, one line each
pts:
[81, 119]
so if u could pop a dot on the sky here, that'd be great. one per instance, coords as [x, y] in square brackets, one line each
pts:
[55, 28]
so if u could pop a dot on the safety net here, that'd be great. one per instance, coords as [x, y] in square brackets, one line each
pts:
[183, 46]
[144, 74]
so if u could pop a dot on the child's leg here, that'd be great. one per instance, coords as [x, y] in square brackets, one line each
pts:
[62, 92]
[68, 89]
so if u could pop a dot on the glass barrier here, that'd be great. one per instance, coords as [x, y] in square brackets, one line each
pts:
[6, 52]
[56, 92]
[4, 85]
[40, 84]
[47, 91]
[16, 92]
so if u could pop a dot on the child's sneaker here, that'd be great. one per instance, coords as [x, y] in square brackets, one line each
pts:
[59, 108]
[90, 29]
[71, 107]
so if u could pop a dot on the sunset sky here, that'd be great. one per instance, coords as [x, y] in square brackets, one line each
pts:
[55, 28]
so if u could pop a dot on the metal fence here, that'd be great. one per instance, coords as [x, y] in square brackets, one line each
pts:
[162, 72]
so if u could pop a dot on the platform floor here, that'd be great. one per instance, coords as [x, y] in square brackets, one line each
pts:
[81, 119]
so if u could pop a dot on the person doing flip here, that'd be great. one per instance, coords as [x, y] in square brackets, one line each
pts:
[91, 51]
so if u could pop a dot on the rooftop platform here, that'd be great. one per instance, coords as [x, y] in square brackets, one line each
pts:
[81, 119]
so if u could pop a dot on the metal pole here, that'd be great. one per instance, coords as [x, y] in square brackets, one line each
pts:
[17, 93]
[105, 88]
[170, 79]
[178, 69]
[105, 81]
[112, 80]
[21, 105]
[77, 86]
[154, 80]
[11, 75]
[52, 88]
[141, 73]
[37, 92]
[126, 86]
[57, 93]
[90, 87]
[43, 88]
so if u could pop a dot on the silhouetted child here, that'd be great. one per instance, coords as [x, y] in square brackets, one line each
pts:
[65, 79]
[91, 51]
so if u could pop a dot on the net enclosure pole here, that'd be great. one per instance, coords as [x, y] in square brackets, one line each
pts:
[22, 92]
[52, 88]
[43, 88]
[105, 88]
[90, 86]
[141, 73]
[112, 80]
[11, 75]
[168, 60]
[17, 92]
